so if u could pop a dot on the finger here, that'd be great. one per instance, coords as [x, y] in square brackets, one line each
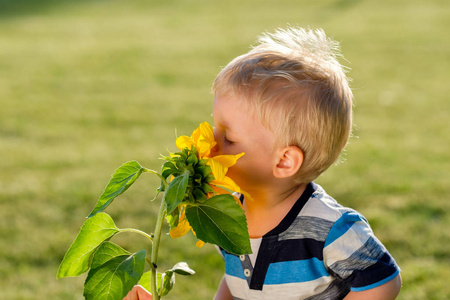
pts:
[143, 294]
[133, 294]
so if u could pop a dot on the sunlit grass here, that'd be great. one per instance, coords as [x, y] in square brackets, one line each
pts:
[88, 85]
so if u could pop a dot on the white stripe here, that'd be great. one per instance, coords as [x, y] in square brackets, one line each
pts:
[255, 244]
[238, 287]
[319, 207]
[289, 291]
[347, 244]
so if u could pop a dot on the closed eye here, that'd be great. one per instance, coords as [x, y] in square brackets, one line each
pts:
[227, 141]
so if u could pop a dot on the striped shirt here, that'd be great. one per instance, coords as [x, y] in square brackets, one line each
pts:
[320, 250]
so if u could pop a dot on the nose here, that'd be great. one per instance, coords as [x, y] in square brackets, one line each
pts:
[215, 149]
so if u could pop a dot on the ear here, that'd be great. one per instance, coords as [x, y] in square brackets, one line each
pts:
[290, 161]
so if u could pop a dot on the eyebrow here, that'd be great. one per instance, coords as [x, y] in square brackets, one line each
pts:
[223, 123]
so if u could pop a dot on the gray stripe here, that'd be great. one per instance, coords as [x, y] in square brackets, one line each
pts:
[247, 267]
[367, 255]
[337, 289]
[307, 228]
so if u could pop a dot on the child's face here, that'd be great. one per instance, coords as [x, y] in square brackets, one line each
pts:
[237, 130]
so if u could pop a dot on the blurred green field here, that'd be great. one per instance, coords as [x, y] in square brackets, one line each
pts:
[88, 85]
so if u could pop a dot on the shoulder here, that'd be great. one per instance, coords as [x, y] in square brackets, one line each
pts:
[323, 206]
[318, 218]
[344, 225]
[351, 250]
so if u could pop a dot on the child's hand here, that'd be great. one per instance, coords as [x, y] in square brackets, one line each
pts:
[138, 293]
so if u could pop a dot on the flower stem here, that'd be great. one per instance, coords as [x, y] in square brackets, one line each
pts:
[155, 247]
[137, 231]
[157, 174]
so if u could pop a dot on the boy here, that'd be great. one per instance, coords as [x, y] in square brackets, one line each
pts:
[287, 105]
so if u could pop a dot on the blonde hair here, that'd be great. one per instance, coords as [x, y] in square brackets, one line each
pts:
[295, 84]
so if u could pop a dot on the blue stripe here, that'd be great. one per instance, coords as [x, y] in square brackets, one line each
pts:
[295, 271]
[233, 266]
[376, 284]
[342, 225]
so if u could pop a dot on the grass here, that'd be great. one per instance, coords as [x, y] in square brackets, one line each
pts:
[88, 85]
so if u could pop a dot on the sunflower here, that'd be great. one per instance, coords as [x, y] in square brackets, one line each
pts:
[207, 174]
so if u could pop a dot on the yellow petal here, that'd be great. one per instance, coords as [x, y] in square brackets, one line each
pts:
[195, 136]
[204, 147]
[183, 142]
[200, 243]
[207, 132]
[247, 195]
[217, 169]
[227, 183]
[182, 228]
[204, 138]
[228, 160]
[220, 191]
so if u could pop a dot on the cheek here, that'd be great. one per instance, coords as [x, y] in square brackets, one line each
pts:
[239, 169]
[239, 175]
[249, 171]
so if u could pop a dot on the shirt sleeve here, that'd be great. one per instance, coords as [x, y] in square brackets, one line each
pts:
[352, 253]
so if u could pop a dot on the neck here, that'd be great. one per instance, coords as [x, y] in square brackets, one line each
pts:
[269, 207]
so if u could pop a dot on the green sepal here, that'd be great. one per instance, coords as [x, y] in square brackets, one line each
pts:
[206, 188]
[209, 178]
[197, 179]
[192, 159]
[115, 278]
[94, 231]
[201, 162]
[183, 154]
[175, 192]
[181, 165]
[193, 150]
[199, 195]
[168, 169]
[173, 218]
[221, 221]
[121, 180]
[204, 170]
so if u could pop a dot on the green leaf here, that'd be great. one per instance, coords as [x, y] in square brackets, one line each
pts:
[121, 180]
[146, 278]
[176, 191]
[106, 252]
[167, 282]
[182, 268]
[115, 278]
[94, 231]
[221, 221]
